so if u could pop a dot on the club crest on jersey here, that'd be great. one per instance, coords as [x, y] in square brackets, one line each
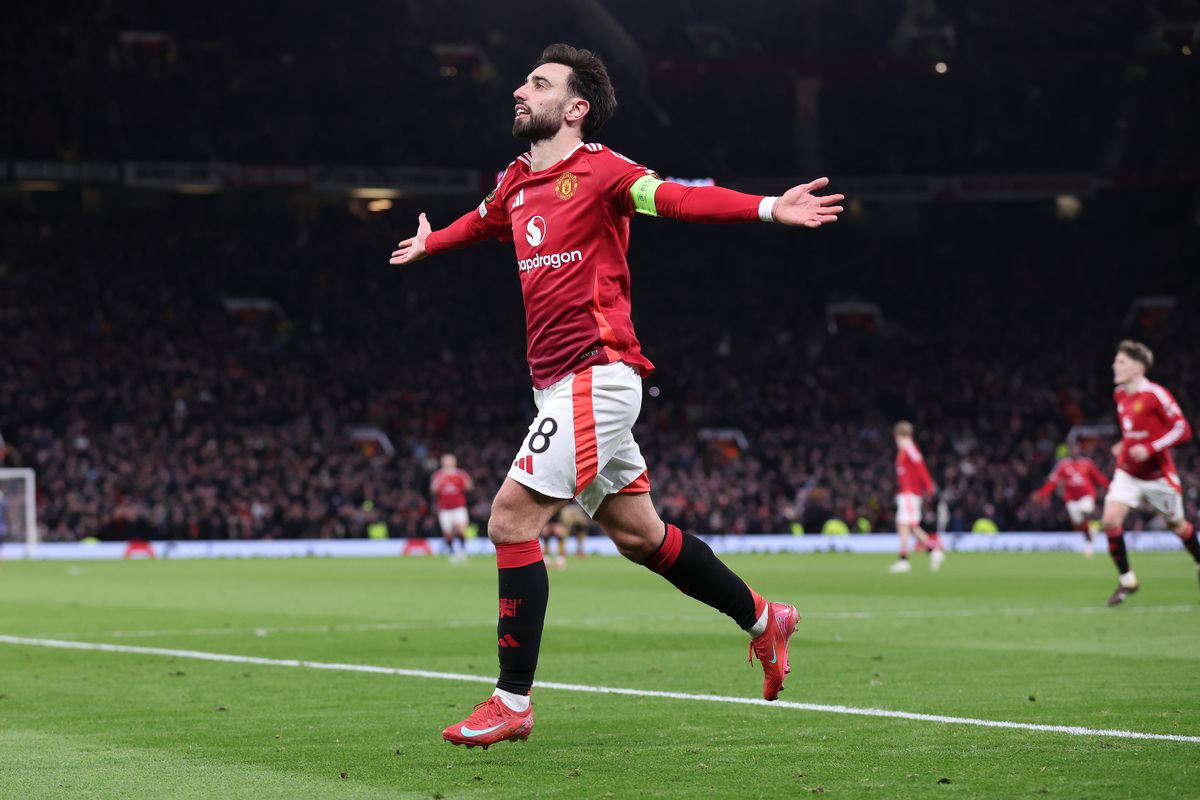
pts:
[1137, 406]
[566, 185]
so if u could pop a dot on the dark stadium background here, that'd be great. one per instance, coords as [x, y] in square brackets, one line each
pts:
[1007, 211]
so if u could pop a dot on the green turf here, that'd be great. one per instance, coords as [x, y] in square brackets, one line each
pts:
[997, 636]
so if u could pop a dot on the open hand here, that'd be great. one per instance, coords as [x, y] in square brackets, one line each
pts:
[798, 206]
[413, 249]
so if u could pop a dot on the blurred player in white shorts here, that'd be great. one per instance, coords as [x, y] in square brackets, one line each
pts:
[1151, 424]
[1078, 477]
[913, 484]
[449, 487]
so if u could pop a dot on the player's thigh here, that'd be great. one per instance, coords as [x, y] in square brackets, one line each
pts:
[908, 510]
[631, 521]
[519, 513]
[1165, 499]
[1079, 510]
[1123, 495]
[1115, 512]
[452, 520]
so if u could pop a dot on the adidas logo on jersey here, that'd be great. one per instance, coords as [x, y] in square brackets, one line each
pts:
[520, 201]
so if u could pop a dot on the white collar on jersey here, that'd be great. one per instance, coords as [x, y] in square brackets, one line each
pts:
[529, 158]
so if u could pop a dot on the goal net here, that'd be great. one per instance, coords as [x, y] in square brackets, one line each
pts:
[18, 509]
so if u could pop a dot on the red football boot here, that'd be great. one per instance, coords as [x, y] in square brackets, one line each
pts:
[771, 647]
[491, 722]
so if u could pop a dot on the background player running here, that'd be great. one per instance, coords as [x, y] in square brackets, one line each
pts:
[1078, 477]
[577, 524]
[449, 487]
[1151, 424]
[566, 206]
[555, 532]
[913, 485]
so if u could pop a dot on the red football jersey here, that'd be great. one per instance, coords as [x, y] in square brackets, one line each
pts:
[912, 476]
[1078, 478]
[450, 486]
[1150, 416]
[569, 224]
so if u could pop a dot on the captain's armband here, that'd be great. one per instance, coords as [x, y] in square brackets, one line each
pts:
[642, 195]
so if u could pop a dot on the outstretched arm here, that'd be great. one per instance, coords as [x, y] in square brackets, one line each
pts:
[1047, 489]
[799, 206]
[487, 221]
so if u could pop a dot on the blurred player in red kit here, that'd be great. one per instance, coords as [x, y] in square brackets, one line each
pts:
[1078, 477]
[566, 205]
[449, 487]
[913, 485]
[1151, 424]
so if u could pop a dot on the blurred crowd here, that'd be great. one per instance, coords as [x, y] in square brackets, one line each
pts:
[150, 405]
[851, 88]
[193, 367]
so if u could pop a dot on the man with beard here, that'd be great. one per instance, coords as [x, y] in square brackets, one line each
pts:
[566, 205]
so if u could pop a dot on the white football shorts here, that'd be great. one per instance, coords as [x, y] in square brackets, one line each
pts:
[908, 509]
[581, 441]
[1079, 510]
[451, 518]
[1160, 494]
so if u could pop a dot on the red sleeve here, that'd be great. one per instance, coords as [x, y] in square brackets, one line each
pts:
[1179, 432]
[1098, 476]
[1048, 487]
[489, 220]
[709, 204]
[926, 478]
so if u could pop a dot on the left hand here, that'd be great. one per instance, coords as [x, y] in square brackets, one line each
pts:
[798, 206]
[1139, 452]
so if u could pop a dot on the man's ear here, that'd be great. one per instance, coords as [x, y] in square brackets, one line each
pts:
[577, 109]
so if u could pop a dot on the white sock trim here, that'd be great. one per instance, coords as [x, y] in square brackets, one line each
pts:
[760, 626]
[517, 702]
[1129, 580]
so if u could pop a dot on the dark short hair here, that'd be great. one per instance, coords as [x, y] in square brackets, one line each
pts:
[589, 80]
[1137, 351]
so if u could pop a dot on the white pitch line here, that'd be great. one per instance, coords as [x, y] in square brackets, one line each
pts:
[1073, 730]
[599, 621]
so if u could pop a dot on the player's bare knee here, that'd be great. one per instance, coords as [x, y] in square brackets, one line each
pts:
[633, 545]
[502, 527]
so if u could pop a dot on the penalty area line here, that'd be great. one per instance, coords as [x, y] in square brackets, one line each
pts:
[199, 655]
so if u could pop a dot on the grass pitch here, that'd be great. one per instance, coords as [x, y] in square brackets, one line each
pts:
[1014, 637]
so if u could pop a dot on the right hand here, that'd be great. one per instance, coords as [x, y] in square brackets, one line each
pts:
[1116, 450]
[412, 249]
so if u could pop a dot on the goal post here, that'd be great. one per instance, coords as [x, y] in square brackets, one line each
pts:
[18, 508]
